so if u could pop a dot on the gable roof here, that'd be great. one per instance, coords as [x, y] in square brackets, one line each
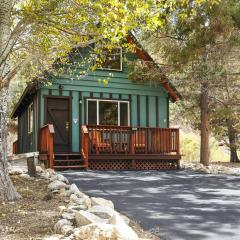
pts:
[139, 51]
[142, 54]
[24, 99]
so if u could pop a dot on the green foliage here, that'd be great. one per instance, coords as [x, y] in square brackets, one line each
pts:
[203, 49]
[44, 31]
[190, 146]
[142, 72]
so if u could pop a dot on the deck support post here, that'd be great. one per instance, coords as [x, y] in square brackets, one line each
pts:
[178, 164]
[133, 164]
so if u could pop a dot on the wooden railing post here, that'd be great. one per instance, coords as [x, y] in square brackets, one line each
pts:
[84, 149]
[133, 140]
[177, 142]
[15, 147]
[50, 147]
[46, 143]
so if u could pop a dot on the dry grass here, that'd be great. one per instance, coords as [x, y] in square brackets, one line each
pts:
[141, 232]
[32, 217]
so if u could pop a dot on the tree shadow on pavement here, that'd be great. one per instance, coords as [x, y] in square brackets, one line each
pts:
[172, 204]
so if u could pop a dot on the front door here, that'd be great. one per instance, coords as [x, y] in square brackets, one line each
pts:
[58, 114]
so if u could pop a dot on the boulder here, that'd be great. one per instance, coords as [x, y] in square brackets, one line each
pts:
[15, 171]
[54, 237]
[59, 225]
[57, 185]
[122, 228]
[75, 208]
[63, 192]
[67, 229]
[73, 189]
[68, 216]
[84, 218]
[75, 199]
[205, 170]
[45, 175]
[84, 202]
[50, 171]
[39, 169]
[59, 177]
[104, 212]
[24, 175]
[102, 202]
[99, 231]
[125, 218]
[62, 208]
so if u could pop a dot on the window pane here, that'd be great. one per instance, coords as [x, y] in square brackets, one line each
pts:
[123, 114]
[108, 113]
[92, 112]
[111, 59]
[30, 118]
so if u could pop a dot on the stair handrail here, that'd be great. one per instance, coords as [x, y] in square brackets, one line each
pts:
[46, 143]
[84, 148]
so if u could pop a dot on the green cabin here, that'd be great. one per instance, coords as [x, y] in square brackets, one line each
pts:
[85, 123]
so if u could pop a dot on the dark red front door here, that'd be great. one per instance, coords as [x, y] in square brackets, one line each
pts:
[58, 114]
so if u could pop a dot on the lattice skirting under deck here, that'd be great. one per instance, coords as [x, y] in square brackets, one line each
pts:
[130, 165]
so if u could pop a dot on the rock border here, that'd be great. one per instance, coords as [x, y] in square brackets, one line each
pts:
[211, 169]
[85, 217]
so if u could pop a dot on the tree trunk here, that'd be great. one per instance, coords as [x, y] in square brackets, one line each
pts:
[232, 142]
[7, 190]
[204, 151]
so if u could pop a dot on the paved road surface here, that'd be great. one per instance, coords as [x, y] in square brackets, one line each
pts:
[175, 205]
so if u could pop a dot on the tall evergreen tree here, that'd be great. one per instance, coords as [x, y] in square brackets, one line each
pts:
[195, 49]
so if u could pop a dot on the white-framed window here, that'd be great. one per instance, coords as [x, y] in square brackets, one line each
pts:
[108, 112]
[111, 59]
[30, 118]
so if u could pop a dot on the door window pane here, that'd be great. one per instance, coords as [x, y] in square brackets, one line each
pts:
[123, 114]
[92, 112]
[108, 113]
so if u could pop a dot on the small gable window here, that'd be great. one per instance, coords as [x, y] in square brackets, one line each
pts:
[110, 59]
[30, 118]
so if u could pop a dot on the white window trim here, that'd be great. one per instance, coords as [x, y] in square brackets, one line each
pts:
[28, 118]
[121, 63]
[108, 100]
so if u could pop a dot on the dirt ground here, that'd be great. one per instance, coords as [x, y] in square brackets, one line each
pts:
[142, 233]
[32, 217]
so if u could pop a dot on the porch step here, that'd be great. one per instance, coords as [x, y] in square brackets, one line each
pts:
[70, 167]
[67, 160]
[64, 161]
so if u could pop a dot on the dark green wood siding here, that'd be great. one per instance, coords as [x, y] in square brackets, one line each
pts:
[28, 142]
[144, 99]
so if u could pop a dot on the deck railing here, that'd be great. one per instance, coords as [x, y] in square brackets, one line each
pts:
[15, 147]
[46, 143]
[129, 140]
[84, 149]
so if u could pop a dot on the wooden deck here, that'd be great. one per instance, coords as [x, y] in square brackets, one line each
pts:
[124, 148]
[115, 148]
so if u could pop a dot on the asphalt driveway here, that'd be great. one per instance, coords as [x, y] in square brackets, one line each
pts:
[173, 204]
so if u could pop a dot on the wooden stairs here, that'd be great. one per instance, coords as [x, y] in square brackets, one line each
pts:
[64, 161]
